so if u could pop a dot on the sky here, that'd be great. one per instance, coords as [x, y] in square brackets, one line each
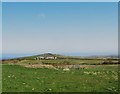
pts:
[0, 30]
[64, 28]
[60, 0]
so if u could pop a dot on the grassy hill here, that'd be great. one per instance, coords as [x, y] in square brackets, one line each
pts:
[45, 55]
[61, 59]
[20, 75]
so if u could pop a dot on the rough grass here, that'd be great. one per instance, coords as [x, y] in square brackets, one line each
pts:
[103, 78]
[61, 61]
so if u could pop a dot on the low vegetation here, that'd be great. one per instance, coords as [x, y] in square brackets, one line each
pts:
[93, 79]
[86, 75]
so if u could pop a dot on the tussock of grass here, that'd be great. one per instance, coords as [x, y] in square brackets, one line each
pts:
[93, 79]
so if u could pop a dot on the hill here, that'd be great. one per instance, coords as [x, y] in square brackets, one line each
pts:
[45, 55]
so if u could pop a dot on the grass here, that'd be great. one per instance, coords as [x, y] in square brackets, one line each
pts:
[99, 78]
[60, 61]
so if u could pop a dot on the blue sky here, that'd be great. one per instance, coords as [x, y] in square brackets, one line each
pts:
[0, 30]
[34, 28]
[60, 0]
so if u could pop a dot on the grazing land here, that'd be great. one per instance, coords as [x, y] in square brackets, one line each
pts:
[27, 75]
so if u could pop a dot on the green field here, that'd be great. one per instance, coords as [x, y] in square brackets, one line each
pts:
[61, 61]
[95, 78]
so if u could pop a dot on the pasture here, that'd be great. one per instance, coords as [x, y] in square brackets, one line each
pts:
[94, 78]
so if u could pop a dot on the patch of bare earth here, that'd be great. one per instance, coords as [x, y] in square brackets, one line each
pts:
[37, 66]
[50, 66]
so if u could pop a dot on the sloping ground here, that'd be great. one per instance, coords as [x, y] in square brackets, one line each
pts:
[46, 54]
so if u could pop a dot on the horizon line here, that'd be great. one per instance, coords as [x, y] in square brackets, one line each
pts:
[12, 56]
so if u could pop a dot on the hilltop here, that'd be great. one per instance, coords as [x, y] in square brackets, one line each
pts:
[45, 55]
[59, 56]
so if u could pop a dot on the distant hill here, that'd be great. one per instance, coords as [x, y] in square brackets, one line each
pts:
[63, 57]
[45, 55]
